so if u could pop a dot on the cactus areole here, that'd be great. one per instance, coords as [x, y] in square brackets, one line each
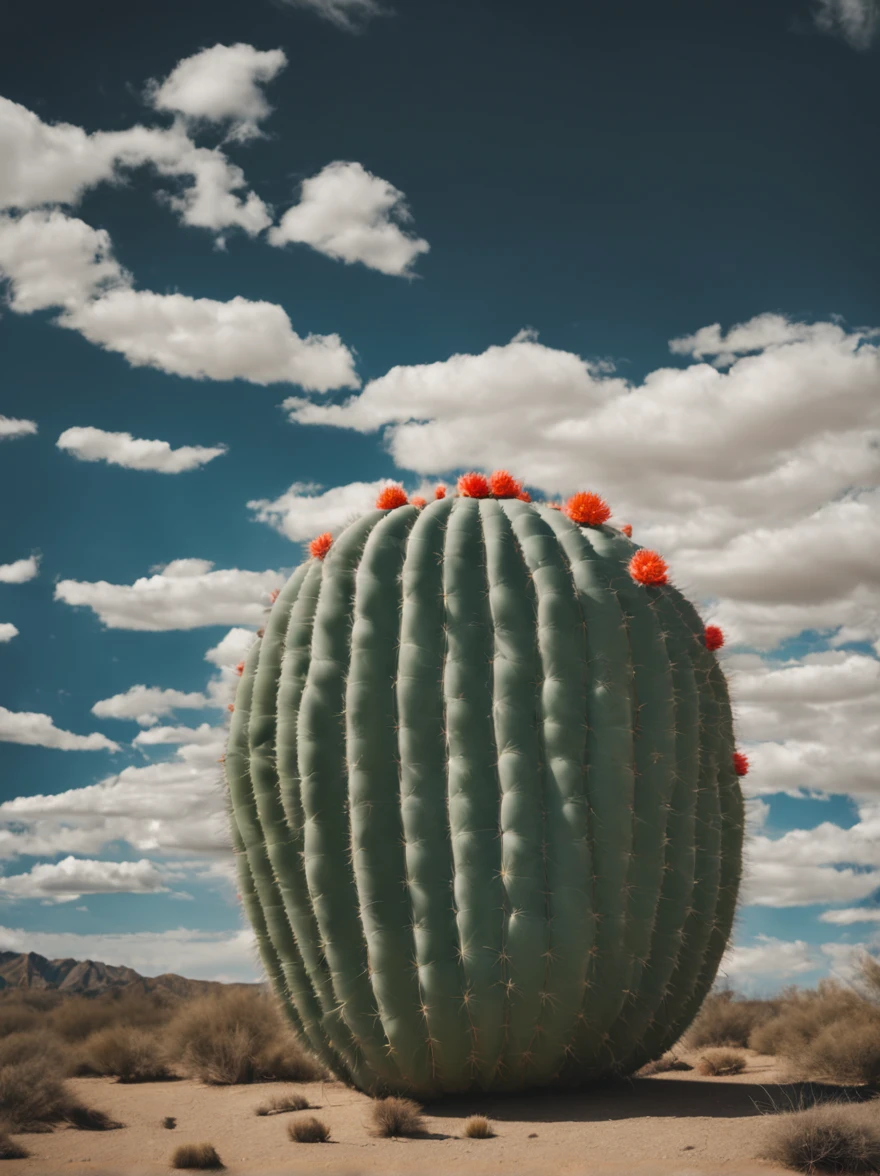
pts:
[483, 797]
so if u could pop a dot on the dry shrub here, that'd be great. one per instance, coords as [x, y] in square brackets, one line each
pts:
[802, 1015]
[31, 1095]
[829, 1138]
[235, 1037]
[78, 1017]
[281, 1103]
[309, 1130]
[396, 1116]
[196, 1155]
[727, 1019]
[869, 974]
[716, 1063]
[10, 1150]
[16, 1017]
[663, 1066]
[20, 1047]
[478, 1127]
[85, 1118]
[843, 1052]
[131, 1055]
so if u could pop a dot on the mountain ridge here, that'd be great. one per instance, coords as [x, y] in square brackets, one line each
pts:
[31, 971]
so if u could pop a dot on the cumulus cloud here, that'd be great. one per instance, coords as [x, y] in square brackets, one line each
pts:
[856, 21]
[7, 632]
[201, 955]
[39, 730]
[353, 216]
[222, 84]
[10, 428]
[850, 915]
[145, 704]
[72, 877]
[307, 509]
[90, 444]
[232, 649]
[780, 959]
[185, 594]
[204, 734]
[20, 571]
[350, 15]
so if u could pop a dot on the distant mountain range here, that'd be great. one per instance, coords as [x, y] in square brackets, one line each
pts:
[89, 977]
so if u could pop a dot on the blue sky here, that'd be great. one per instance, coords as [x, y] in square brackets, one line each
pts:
[258, 258]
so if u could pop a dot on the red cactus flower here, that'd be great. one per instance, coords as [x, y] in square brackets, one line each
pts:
[391, 496]
[230, 706]
[524, 496]
[589, 510]
[647, 567]
[627, 530]
[713, 637]
[439, 491]
[473, 486]
[504, 485]
[274, 594]
[418, 501]
[740, 763]
[239, 669]
[320, 545]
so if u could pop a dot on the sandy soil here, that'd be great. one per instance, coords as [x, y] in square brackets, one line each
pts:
[667, 1124]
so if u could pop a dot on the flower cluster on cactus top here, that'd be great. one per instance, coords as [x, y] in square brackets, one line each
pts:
[714, 637]
[320, 545]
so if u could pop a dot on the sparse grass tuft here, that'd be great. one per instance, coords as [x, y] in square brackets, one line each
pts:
[663, 1066]
[830, 1138]
[727, 1019]
[131, 1055]
[281, 1103]
[10, 1149]
[716, 1063]
[196, 1155]
[396, 1116]
[309, 1130]
[478, 1127]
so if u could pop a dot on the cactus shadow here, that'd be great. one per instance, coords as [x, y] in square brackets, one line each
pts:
[652, 1098]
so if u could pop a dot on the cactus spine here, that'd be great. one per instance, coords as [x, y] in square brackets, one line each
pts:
[483, 798]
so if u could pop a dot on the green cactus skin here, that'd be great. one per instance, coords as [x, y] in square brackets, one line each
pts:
[481, 787]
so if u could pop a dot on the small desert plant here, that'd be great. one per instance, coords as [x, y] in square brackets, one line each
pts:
[828, 1138]
[282, 1103]
[396, 1116]
[88, 1119]
[24, 1045]
[31, 1095]
[716, 1063]
[238, 1037]
[310, 1130]
[196, 1155]
[478, 1127]
[727, 1019]
[131, 1055]
[169, 1122]
[10, 1150]
[845, 1051]
[663, 1066]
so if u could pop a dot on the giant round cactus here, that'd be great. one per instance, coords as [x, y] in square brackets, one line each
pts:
[484, 796]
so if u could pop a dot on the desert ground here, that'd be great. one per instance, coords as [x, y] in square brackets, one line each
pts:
[668, 1123]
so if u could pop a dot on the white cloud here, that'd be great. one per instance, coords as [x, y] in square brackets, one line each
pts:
[53, 260]
[232, 649]
[71, 878]
[39, 730]
[20, 571]
[204, 339]
[145, 704]
[10, 427]
[186, 594]
[7, 632]
[306, 509]
[350, 15]
[204, 734]
[200, 955]
[90, 444]
[56, 164]
[778, 958]
[850, 915]
[222, 84]
[856, 21]
[732, 474]
[351, 215]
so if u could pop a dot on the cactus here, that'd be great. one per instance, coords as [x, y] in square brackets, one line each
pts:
[484, 796]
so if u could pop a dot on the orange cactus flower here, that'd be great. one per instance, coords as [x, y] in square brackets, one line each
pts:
[740, 763]
[390, 497]
[503, 485]
[589, 510]
[239, 669]
[647, 567]
[524, 496]
[439, 492]
[274, 594]
[627, 530]
[473, 486]
[713, 637]
[320, 545]
[230, 706]
[418, 501]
